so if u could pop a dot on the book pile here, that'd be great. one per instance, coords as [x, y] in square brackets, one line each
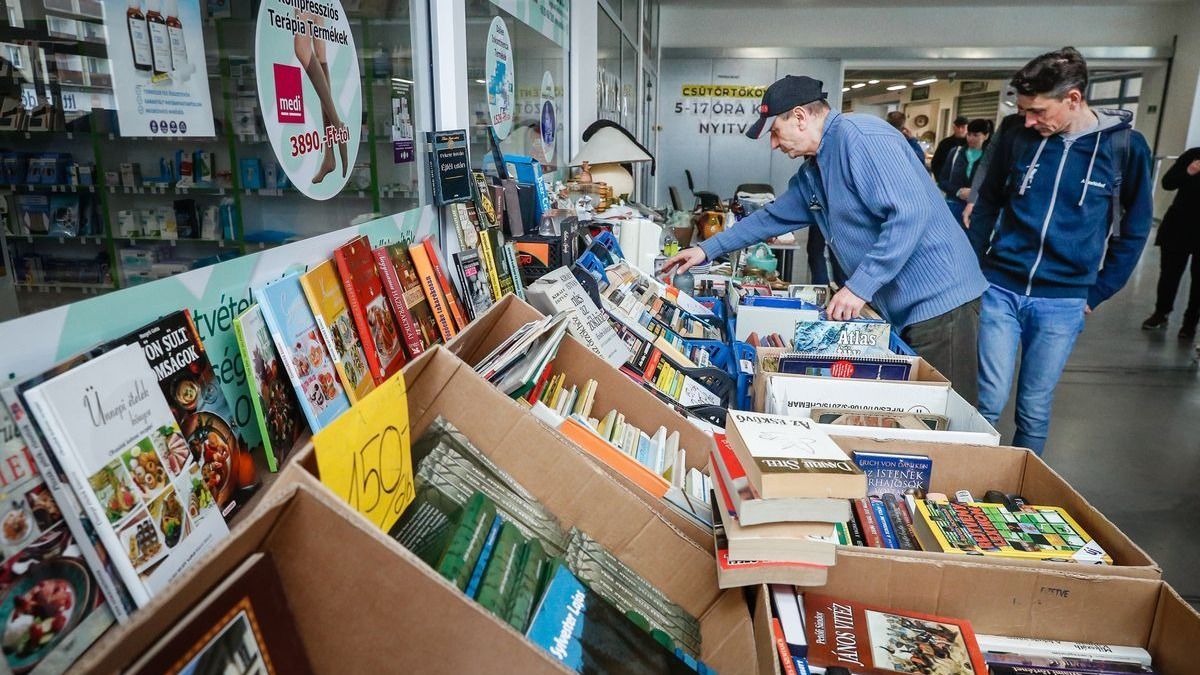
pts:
[780, 487]
[487, 266]
[520, 366]
[644, 300]
[485, 533]
[899, 512]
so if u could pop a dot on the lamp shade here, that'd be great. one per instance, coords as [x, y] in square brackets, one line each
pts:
[608, 145]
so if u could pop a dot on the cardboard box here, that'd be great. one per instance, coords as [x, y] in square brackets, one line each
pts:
[978, 469]
[796, 395]
[1020, 602]
[614, 388]
[579, 492]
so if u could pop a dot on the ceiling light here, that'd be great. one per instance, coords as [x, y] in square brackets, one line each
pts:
[844, 89]
[872, 81]
[926, 81]
[897, 87]
[860, 85]
[480, 82]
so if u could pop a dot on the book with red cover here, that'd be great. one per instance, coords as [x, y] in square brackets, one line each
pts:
[735, 573]
[244, 624]
[409, 330]
[377, 328]
[877, 640]
[460, 320]
[433, 290]
[781, 647]
[414, 295]
[866, 522]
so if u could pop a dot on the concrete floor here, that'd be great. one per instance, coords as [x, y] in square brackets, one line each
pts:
[1123, 431]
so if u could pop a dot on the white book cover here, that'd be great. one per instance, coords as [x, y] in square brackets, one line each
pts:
[1062, 649]
[136, 476]
[559, 291]
[787, 609]
[778, 437]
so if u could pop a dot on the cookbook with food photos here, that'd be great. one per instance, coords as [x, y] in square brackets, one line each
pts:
[276, 409]
[130, 464]
[377, 327]
[323, 288]
[51, 607]
[309, 366]
[243, 624]
[185, 376]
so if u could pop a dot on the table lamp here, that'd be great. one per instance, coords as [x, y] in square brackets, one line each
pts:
[607, 146]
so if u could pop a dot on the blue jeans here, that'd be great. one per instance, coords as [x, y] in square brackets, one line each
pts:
[1045, 330]
[956, 206]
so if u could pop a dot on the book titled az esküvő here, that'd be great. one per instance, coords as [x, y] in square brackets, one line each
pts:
[875, 640]
[791, 457]
[111, 428]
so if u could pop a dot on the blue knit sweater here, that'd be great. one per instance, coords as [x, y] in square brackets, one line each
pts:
[884, 218]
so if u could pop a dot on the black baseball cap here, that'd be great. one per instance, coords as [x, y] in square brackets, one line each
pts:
[782, 96]
[961, 121]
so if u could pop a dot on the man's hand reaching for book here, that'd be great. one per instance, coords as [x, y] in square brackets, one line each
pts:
[683, 261]
[845, 305]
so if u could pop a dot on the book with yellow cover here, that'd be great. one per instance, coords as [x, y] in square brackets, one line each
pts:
[1032, 533]
[323, 288]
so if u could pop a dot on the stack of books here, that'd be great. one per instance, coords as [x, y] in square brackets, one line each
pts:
[780, 487]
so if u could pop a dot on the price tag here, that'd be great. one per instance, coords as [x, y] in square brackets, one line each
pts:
[746, 366]
[1090, 553]
[365, 456]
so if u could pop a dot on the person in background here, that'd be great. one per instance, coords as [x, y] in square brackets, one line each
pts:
[1010, 122]
[957, 172]
[1072, 191]
[1179, 240]
[885, 222]
[948, 144]
[897, 120]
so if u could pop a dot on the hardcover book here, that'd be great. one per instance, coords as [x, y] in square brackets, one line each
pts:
[894, 472]
[176, 355]
[243, 625]
[280, 421]
[410, 332]
[377, 329]
[1033, 532]
[124, 454]
[791, 457]
[432, 288]
[409, 285]
[308, 364]
[477, 296]
[323, 288]
[54, 607]
[871, 640]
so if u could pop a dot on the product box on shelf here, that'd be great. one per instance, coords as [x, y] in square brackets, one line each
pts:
[1014, 602]
[565, 480]
[978, 469]
[797, 395]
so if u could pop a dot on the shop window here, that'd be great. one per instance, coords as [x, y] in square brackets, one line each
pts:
[129, 157]
[1120, 92]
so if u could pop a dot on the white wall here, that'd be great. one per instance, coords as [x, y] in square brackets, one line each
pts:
[1181, 110]
[714, 146]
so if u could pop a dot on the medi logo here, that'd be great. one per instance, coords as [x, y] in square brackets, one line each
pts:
[289, 94]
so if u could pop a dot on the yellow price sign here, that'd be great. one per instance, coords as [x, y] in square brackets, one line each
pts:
[365, 456]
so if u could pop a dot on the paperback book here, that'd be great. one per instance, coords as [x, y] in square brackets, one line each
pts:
[377, 329]
[432, 287]
[403, 285]
[791, 457]
[477, 294]
[854, 367]
[1031, 532]
[893, 472]
[323, 288]
[131, 466]
[733, 573]
[753, 510]
[280, 421]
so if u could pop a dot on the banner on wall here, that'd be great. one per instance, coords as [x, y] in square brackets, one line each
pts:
[309, 92]
[498, 73]
[216, 295]
[719, 109]
[159, 71]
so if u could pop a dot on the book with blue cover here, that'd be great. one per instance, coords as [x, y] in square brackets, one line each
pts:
[879, 511]
[894, 473]
[854, 367]
[844, 338]
[308, 363]
[586, 634]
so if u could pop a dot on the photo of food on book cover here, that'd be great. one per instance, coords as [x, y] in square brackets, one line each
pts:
[869, 639]
[276, 409]
[117, 430]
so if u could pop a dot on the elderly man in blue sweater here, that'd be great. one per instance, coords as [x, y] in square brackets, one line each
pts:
[884, 219]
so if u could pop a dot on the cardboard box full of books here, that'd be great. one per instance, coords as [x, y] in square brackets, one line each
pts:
[564, 479]
[1017, 602]
[978, 469]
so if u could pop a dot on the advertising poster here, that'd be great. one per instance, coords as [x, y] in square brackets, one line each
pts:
[160, 77]
[498, 70]
[309, 91]
[403, 140]
[549, 121]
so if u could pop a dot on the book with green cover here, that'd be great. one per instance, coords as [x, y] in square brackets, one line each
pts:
[458, 560]
[280, 420]
[525, 592]
[502, 568]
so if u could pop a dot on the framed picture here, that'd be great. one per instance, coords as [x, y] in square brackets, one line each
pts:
[972, 87]
[920, 93]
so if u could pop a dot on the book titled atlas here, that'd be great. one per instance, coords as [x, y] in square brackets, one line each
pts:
[791, 457]
[124, 454]
[843, 338]
[377, 329]
[870, 639]
[280, 421]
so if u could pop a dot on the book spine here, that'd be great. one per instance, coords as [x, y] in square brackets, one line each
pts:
[358, 312]
[879, 514]
[862, 509]
[510, 255]
[856, 533]
[435, 262]
[433, 291]
[119, 599]
[87, 500]
[892, 507]
[781, 647]
[255, 395]
[907, 522]
[395, 292]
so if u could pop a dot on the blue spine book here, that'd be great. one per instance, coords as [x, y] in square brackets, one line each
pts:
[894, 473]
[484, 556]
[801, 666]
[884, 523]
